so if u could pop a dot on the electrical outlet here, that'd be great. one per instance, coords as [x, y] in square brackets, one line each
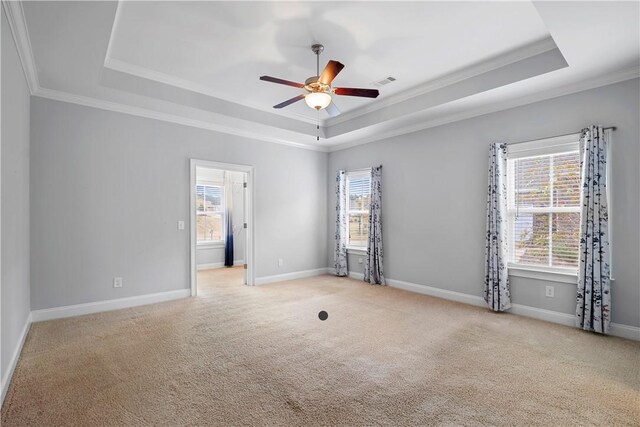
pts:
[280, 262]
[180, 225]
[117, 282]
[360, 260]
[549, 291]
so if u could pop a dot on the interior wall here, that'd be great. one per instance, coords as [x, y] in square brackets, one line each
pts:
[14, 292]
[113, 186]
[434, 196]
[212, 255]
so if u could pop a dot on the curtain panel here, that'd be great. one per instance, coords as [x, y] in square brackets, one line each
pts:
[594, 282]
[373, 271]
[496, 280]
[340, 250]
[228, 220]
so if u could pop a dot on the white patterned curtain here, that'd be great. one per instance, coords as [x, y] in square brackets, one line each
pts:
[340, 252]
[373, 272]
[594, 282]
[496, 278]
[228, 220]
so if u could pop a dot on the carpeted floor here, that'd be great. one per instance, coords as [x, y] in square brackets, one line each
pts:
[238, 355]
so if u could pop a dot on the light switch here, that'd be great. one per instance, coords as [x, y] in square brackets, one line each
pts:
[180, 225]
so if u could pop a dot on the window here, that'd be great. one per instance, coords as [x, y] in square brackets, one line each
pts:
[358, 202]
[209, 212]
[543, 206]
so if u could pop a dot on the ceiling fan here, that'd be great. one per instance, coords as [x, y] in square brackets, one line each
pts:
[318, 91]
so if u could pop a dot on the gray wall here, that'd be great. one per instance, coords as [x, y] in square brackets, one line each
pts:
[111, 188]
[15, 199]
[434, 197]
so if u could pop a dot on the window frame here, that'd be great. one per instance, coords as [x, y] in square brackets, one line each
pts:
[363, 173]
[535, 148]
[211, 243]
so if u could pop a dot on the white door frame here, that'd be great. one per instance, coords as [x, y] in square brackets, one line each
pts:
[249, 232]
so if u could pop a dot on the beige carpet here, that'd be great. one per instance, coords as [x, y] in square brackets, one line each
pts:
[238, 355]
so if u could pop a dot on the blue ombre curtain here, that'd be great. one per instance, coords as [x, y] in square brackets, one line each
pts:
[228, 220]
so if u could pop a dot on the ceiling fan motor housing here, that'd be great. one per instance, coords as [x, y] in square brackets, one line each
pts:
[313, 85]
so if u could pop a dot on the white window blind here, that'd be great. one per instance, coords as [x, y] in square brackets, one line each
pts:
[544, 209]
[210, 212]
[358, 203]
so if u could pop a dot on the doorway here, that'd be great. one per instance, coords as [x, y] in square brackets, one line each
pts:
[221, 223]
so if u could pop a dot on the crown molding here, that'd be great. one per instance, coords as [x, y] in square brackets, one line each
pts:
[17, 23]
[156, 76]
[86, 101]
[18, 26]
[146, 73]
[491, 64]
[605, 80]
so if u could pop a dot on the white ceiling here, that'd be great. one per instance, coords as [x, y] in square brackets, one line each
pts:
[198, 63]
[221, 48]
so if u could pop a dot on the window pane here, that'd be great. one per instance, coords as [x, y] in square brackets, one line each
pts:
[565, 239]
[531, 182]
[531, 239]
[566, 179]
[200, 198]
[209, 227]
[358, 229]
[213, 198]
[359, 193]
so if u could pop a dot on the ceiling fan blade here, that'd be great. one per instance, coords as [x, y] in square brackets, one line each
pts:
[351, 91]
[281, 81]
[330, 72]
[290, 101]
[332, 109]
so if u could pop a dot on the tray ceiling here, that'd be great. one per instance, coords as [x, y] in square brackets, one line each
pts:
[198, 63]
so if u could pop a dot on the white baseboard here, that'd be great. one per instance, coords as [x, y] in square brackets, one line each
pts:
[616, 329]
[108, 305]
[6, 380]
[290, 276]
[625, 331]
[213, 265]
[437, 292]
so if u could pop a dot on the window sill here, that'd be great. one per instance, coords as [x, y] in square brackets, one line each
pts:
[207, 245]
[357, 251]
[540, 273]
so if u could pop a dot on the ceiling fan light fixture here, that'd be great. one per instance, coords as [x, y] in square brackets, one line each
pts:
[318, 100]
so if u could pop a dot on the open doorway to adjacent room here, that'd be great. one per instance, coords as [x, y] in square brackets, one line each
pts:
[221, 225]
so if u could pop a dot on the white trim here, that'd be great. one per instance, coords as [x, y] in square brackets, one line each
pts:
[543, 147]
[625, 331]
[356, 251]
[210, 244]
[18, 25]
[212, 265]
[616, 329]
[437, 292]
[290, 276]
[542, 274]
[20, 33]
[107, 305]
[491, 64]
[543, 314]
[608, 79]
[249, 209]
[166, 79]
[6, 380]
[57, 95]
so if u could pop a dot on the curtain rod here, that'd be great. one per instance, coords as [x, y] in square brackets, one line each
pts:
[611, 128]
